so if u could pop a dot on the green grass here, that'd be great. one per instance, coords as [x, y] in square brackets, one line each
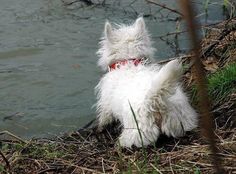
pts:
[143, 164]
[2, 169]
[197, 171]
[206, 5]
[136, 122]
[225, 3]
[48, 151]
[220, 84]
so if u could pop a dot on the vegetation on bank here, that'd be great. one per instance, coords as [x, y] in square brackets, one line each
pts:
[223, 82]
[220, 84]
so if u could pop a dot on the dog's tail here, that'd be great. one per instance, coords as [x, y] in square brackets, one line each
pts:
[167, 78]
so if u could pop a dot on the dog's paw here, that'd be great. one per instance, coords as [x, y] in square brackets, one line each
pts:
[131, 138]
[124, 142]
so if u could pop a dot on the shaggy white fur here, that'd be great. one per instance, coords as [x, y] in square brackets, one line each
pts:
[154, 92]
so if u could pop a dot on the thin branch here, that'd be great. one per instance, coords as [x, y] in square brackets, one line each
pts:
[156, 168]
[5, 159]
[164, 6]
[204, 102]
[12, 135]
[87, 2]
[56, 169]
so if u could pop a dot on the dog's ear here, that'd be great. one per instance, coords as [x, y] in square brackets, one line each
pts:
[108, 31]
[140, 25]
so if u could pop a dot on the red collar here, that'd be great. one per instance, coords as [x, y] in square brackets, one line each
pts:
[134, 61]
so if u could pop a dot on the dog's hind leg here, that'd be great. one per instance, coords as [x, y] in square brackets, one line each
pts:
[181, 116]
[142, 137]
[139, 131]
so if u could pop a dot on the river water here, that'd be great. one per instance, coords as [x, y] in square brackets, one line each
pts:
[48, 63]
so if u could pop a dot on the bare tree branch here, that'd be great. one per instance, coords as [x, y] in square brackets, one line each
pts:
[164, 6]
[206, 117]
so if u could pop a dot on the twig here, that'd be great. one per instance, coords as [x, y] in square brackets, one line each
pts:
[171, 166]
[182, 168]
[89, 170]
[204, 103]
[12, 135]
[198, 163]
[5, 159]
[156, 168]
[103, 168]
[49, 170]
[135, 165]
[69, 3]
[164, 6]
[87, 2]
[171, 33]
[173, 58]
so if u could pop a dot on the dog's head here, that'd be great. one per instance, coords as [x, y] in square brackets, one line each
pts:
[124, 42]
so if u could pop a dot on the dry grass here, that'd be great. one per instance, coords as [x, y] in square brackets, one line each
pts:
[90, 153]
[87, 151]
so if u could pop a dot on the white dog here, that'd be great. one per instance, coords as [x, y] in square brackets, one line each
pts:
[147, 99]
